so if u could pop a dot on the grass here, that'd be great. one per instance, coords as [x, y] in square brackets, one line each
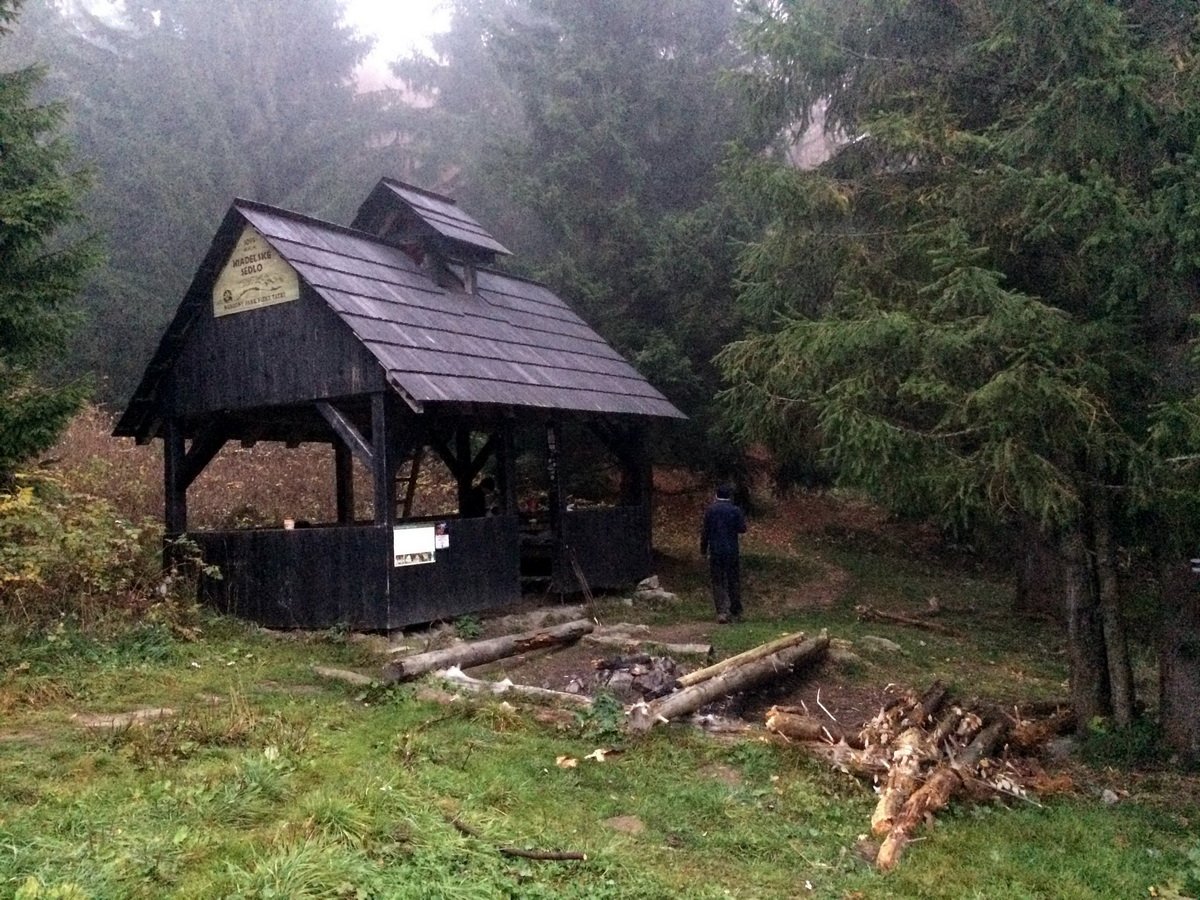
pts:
[268, 782]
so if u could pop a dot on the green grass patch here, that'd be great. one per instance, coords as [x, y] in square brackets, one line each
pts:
[267, 782]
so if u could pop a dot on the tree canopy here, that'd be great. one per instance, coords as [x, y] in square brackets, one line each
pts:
[40, 269]
[592, 136]
[180, 106]
[983, 301]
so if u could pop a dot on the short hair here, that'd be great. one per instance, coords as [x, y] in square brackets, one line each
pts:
[724, 492]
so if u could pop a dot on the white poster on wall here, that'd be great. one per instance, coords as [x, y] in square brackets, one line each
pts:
[412, 545]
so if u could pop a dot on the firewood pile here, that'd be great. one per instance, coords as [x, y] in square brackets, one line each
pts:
[923, 751]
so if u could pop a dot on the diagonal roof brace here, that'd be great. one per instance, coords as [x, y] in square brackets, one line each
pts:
[345, 430]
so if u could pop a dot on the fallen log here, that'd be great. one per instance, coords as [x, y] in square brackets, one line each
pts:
[929, 704]
[936, 792]
[456, 677]
[788, 640]
[626, 644]
[802, 727]
[756, 671]
[479, 652]
[871, 614]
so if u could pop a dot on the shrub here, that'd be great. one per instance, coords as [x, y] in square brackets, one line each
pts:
[68, 555]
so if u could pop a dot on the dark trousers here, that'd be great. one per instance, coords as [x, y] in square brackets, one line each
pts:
[725, 569]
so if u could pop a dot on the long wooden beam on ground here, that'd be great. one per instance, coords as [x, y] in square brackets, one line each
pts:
[748, 674]
[477, 653]
[788, 640]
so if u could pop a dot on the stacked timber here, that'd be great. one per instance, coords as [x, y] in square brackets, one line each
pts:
[922, 751]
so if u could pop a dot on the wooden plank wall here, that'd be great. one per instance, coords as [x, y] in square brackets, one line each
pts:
[612, 545]
[285, 354]
[301, 578]
[479, 570]
[339, 575]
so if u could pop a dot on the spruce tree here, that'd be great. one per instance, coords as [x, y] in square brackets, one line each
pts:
[983, 301]
[39, 270]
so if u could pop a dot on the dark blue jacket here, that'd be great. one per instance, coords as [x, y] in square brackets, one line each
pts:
[723, 522]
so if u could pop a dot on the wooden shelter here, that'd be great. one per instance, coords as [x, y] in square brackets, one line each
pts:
[388, 340]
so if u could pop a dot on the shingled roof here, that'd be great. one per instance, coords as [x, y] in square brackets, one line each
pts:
[510, 342]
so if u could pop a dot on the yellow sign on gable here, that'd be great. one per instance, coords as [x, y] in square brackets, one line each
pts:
[255, 276]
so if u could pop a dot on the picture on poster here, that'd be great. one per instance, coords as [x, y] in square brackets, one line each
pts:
[413, 545]
[441, 536]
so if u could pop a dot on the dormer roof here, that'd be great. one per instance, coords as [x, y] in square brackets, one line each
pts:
[406, 215]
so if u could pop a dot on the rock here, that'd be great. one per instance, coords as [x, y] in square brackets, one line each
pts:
[378, 644]
[1060, 749]
[621, 683]
[654, 596]
[649, 584]
[1109, 797]
[875, 644]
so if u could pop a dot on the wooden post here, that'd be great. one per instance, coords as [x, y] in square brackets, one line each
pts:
[558, 505]
[462, 474]
[343, 464]
[174, 482]
[506, 468]
[384, 460]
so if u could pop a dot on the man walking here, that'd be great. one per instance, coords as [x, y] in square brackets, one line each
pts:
[723, 522]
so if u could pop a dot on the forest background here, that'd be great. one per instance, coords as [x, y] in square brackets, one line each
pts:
[979, 307]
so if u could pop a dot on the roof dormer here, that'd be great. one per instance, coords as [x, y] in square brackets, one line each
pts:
[430, 227]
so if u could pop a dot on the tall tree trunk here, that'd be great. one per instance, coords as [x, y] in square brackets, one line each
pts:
[1179, 661]
[1120, 671]
[1090, 692]
[1039, 574]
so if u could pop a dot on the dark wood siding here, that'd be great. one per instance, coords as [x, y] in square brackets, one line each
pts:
[302, 578]
[479, 570]
[322, 577]
[275, 356]
[612, 546]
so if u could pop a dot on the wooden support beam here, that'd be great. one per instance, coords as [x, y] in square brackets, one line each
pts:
[206, 445]
[174, 488]
[484, 454]
[410, 491]
[463, 473]
[562, 573]
[383, 460]
[343, 466]
[506, 468]
[345, 430]
[442, 449]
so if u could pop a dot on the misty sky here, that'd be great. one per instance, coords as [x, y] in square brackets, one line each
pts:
[397, 25]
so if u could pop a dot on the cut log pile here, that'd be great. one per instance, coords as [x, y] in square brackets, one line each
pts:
[922, 752]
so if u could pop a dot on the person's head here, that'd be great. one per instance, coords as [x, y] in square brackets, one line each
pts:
[724, 492]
